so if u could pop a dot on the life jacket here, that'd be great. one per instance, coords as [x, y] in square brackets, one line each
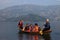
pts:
[35, 29]
[27, 29]
[20, 24]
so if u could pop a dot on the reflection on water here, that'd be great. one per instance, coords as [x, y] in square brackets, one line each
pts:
[8, 31]
[47, 37]
[20, 36]
[34, 37]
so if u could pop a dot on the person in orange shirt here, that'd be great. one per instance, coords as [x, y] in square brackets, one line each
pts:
[36, 28]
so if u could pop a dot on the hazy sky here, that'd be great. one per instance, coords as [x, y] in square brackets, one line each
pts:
[7, 3]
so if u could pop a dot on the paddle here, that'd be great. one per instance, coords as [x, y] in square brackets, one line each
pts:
[41, 32]
[21, 29]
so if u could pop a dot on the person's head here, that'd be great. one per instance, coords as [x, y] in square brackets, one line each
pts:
[30, 25]
[27, 24]
[21, 20]
[47, 20]
[36, 24]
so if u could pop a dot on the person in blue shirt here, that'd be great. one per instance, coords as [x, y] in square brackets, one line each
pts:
[46, 25]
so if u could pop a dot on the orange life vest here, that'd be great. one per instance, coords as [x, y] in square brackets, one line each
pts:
[35, 29]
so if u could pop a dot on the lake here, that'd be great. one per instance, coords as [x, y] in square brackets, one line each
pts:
[9, 31]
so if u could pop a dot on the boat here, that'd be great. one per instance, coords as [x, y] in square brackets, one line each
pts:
[35, 33]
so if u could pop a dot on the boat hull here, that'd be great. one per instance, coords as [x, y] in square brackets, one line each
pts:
[35, 33]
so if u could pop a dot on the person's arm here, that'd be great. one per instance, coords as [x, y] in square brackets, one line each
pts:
[33, 29]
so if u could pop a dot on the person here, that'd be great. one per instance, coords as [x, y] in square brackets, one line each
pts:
[20, 24]
[31, 27]
[27, 29]
[36, 28]
[46, 25]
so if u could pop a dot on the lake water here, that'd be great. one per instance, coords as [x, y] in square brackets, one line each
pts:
[9, 31]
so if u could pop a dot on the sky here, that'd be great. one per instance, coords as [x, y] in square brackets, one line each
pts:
[8, 3]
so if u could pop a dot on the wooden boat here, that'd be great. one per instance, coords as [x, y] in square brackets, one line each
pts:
[36, 33]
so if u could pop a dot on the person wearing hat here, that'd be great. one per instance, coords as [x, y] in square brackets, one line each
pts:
[46, 25]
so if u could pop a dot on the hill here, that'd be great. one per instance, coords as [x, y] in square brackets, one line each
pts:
[29, 17]
[51, 12]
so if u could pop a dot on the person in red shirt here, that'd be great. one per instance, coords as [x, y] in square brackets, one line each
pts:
[20, 24]
[27, 29]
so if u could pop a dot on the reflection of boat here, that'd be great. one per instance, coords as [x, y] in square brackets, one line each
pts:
[35, 37]
[20, 36]
[47, 37]
[35, 33]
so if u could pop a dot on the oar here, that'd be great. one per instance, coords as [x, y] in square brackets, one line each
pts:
[21, 29]
[41, 32]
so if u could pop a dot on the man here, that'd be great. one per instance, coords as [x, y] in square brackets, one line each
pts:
[20, 24]
[46, 25]
[36, 28]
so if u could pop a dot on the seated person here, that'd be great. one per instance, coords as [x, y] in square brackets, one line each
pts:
[27, 29]
[46, 25]
[36, 28]
[31, 27]
[20, 24]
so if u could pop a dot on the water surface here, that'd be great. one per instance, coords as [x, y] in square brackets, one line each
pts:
[9, 31]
